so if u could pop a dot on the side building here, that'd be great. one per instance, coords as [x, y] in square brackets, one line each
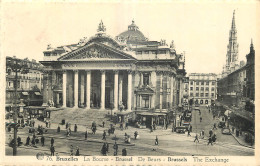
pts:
[29, 84]
[202, 88]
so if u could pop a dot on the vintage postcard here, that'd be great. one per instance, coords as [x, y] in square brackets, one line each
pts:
[129, 82]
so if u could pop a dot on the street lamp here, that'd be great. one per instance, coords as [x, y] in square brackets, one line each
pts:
[16, 67]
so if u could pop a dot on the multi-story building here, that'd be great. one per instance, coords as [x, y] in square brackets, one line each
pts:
[29, 84]
[202, 88]
[250, 73]
[103, 72]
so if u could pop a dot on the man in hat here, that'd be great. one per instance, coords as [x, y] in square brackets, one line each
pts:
[77, 151]
[115, 148]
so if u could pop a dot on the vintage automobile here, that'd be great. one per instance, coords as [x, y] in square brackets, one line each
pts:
[226, 131]
[221, 124]
[181, 129]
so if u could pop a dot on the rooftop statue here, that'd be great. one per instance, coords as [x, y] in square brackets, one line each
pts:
[101, 27]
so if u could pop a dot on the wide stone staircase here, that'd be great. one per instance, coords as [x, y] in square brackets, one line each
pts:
[79, 116]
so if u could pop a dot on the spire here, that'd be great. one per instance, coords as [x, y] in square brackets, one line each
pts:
[233, 21]
[251, 46]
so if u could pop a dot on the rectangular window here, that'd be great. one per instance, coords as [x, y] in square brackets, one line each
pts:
[146, 101]
[202, 95]
[213, 83]
[146, 79]
[191, 88]
[162, 51]
[191, 94]
[146, 52]
[139, 52]
[197, 88]
[212, 89]
[191, 83]
[207, 88]
[206, 95]
[197, 83]
[207, 83]
[202, 88]
[202, 82]
[197, 94]
[212, 94]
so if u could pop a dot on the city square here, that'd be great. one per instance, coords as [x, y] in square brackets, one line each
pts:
[124, 93]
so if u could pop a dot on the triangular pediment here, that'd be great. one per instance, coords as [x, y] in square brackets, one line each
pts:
[96, 51]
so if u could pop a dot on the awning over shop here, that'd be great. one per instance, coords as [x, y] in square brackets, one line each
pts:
[25, 93]
[150, 114]
[37, 93]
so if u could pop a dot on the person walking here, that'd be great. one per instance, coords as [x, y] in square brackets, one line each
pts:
[33, 142]
[27, 140]
[75, 128]
[52, 141]
[210, 133]
[200, 119]
[202, 134]
[52, 149]
[190, 128]
[58, 129]
[103, 124]
[210, 141]
[188, 133]
[115, 149]
[156, 141]
[135, 134]
[196, 138]
[104, 135]
[42, 140]
[104, 150]
[215, 126]
[67, 125]
[71, 150]
[77, 151]
[124, 152]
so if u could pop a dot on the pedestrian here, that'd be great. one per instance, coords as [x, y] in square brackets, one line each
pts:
[58, 129]
[33, 123]
[196, 138]
[86, 135]
[156, 141]
[202, 134]
[215, 126]
[77, 151]
[190, 128]
[95, 129]
[42, 140]
[121, 126]
[71, 150]
[104, 135]
[233, 129]
[200, 119]
[166, 126]
[46, 122]
[103, 124]
[210, 141]
[52, 150]
[104, 150]
[107, 147]
[189, 133]
[75, 128]
[135, 134]
[19, 141]
[67, 125]
[49, 124]
[33, 141]
[124, 152]
[210, 133]
[115, 147]
[27, 140]
[52, 141]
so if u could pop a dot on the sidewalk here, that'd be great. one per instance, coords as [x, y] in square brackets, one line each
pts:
[241, 139]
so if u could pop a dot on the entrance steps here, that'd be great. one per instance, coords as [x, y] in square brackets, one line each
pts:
[80, 116]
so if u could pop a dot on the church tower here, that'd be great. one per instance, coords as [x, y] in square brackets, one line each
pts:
[232, 49]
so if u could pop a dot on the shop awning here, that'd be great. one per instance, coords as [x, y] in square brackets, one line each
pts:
[37, 93]
[25, 93]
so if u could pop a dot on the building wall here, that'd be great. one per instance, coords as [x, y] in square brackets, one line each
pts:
[202, 87]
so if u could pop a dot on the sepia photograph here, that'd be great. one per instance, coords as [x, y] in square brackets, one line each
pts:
[121, 81]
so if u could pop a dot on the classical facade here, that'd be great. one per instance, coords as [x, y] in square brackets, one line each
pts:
[202, 87]
[103, 72]
[29, 84]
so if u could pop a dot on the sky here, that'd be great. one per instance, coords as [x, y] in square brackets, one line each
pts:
[200, 29]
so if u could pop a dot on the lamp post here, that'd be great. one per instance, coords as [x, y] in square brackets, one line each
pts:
[16, 67]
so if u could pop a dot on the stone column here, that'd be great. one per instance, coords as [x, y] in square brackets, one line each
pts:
[88, 88]
[116, 90]
[171, 90]
[120, 88]
[141, 79]
[161, 90]
[76, 88]
[129, 92]
[103, 87]
[82, 89]
[45, 91]
[64, 88]
[180, 92]
[57, 98]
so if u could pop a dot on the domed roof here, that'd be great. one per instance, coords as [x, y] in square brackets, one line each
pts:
[132, 34]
